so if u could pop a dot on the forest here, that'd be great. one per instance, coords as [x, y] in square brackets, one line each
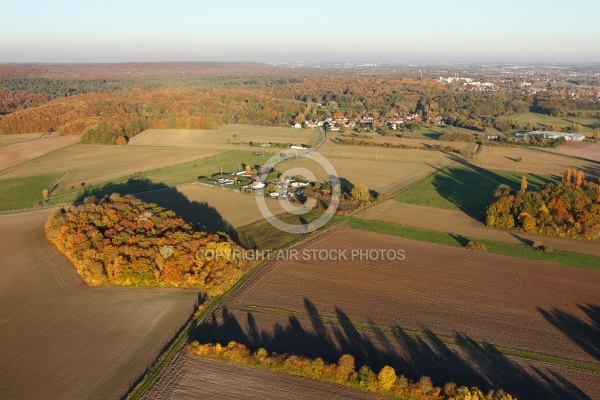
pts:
[569, 208]
[121, 240]
[101, 108]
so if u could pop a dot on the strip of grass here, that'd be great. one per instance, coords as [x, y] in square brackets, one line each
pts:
[448, 239]
[458, 342]
[24, 192]
[466, 188]
[262, 235]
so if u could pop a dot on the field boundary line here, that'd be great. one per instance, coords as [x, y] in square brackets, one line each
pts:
[399, 332]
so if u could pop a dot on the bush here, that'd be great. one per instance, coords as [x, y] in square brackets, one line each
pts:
[547, 249]
[537, 245]
[476, 247]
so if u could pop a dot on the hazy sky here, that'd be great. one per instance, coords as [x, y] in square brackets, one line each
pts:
[281, 30]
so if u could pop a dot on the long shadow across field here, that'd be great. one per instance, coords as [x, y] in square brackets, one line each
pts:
[471, 188]
[585, 334]
[199, 214]
[473, 365]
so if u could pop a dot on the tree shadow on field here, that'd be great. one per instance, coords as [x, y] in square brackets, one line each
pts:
[585, 334]
[471, 188]
[311, 335]
[200, 215]
[463, 241]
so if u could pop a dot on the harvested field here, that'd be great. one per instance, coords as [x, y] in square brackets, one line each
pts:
[96, 163]
[444, 291]
[459, 223]
[589, 151]
[189, 377]
[533, 161]
[387, 170]
[211, 206]
[60, 339]
[19, 153]
[6, 140]
[223, 139]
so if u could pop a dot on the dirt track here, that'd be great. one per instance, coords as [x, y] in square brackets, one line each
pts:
[60, 339]
[459, 223]
[191, 377]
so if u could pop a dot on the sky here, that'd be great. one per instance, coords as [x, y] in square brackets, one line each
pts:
[300, 30]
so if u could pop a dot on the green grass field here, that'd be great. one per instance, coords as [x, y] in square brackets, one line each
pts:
[24, 192]
[466, 188]
[540, 120]
[448, 239]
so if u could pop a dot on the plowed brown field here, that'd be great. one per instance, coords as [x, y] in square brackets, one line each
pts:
[191, 377]
[450, 292]
[60, 339]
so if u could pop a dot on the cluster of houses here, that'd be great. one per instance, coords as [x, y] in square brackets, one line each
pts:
[335, 124]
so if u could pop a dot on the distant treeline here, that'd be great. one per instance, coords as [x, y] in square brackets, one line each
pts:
[102, 109]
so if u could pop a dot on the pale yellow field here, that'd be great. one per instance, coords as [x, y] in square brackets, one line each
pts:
[214, 207]
[96, 163]
[223, 139]
[6, 140]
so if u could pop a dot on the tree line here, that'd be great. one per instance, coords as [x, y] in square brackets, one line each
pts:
[385, 382]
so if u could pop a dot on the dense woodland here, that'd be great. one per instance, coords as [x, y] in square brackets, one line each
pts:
[125, 99]
[120, 240]
[384, 382]
[569, 208]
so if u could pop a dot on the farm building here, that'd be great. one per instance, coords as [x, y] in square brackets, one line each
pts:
[553, 135]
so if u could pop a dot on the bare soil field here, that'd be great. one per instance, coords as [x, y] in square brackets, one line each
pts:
[60, 339]
[459, 223]
[589, 151]
[189, 377]
[411, 357]
[230, 137]
[6, 140]
[447, 291]
[96, 163]
[214, 207]
[18, 153]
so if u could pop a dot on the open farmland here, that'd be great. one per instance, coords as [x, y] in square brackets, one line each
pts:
[19, 153]
[588, 151]
[6, 140]
[447, 294]
[24, 192]
[467, 188]
[461, 224]
[95, 163]
[187, 376]
[214, 207]
[381, 169]
[228, 137]
[61, 339]
[540, 121]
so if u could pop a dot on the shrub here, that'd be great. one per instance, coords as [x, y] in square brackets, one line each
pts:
[547, 249]
[476, 247]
